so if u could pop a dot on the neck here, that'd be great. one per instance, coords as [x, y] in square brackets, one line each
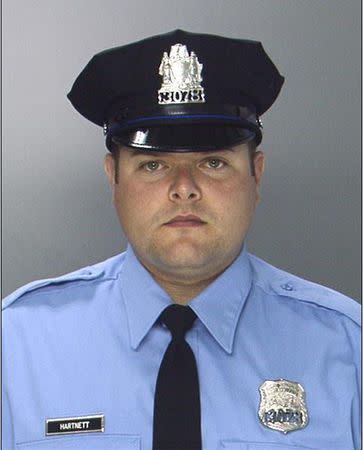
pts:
[184, 285]
[182, 291]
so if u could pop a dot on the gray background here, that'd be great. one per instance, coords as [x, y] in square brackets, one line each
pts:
[57, 211]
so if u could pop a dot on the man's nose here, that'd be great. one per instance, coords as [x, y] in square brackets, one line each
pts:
[183, 186]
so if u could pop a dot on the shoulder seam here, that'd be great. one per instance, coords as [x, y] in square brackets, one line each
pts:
[65, 284]
[68, 285]
[308, 303]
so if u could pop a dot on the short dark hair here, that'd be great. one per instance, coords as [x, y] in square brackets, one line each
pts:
[116, 148]
[115, 152]
[252, 146]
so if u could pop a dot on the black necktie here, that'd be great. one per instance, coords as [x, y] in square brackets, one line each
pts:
[177, 402]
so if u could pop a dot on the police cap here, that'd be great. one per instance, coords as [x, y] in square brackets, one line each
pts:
[178, 91]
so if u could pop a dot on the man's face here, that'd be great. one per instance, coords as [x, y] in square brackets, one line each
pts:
[217, 188]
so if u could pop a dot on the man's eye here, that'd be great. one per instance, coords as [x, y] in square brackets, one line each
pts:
[215, 163]
[151, 166]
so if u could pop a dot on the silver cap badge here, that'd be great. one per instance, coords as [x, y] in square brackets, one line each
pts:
[181, 75]
[282, 406]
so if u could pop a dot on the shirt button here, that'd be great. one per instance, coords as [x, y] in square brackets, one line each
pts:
[287, 287]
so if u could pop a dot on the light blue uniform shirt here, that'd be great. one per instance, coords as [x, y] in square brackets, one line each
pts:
[88, 343]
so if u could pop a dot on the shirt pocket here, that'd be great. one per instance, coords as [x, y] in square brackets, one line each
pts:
[243, 445]
[99, 442]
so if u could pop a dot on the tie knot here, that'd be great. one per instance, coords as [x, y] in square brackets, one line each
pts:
[179, 319]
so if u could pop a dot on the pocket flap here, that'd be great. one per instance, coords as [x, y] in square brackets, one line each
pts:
[243, 445]
[94, 442]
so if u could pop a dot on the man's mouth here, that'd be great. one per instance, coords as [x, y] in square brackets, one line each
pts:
[189, 220]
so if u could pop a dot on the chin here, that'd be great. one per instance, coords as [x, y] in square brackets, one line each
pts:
[187, 257]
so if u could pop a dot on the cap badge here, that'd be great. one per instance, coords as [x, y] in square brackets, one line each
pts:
[282, 406]
[181, 75]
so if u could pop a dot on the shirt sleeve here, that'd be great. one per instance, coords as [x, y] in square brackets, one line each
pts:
[356, 419]
[7, 434]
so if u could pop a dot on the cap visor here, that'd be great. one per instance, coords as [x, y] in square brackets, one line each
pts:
[184, 138]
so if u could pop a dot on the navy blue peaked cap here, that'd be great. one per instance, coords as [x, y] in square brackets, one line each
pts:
[178, 91]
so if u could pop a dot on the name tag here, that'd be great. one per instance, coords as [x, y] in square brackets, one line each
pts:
[73, 425]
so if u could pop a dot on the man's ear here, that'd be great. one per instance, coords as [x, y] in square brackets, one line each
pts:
[259, 163]
[109, 166]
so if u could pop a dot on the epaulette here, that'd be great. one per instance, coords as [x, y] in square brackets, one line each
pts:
[289, 285]
[87, 273]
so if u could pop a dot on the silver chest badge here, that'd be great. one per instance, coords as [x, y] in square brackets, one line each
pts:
[181, 75]
[282, 406]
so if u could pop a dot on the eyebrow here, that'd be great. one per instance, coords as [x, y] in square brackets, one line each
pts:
[159, 154]
[144, 153]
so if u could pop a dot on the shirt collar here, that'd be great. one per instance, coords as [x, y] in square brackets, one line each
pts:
[218, 307]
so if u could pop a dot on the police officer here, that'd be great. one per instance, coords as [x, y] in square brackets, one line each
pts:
[185, 341]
